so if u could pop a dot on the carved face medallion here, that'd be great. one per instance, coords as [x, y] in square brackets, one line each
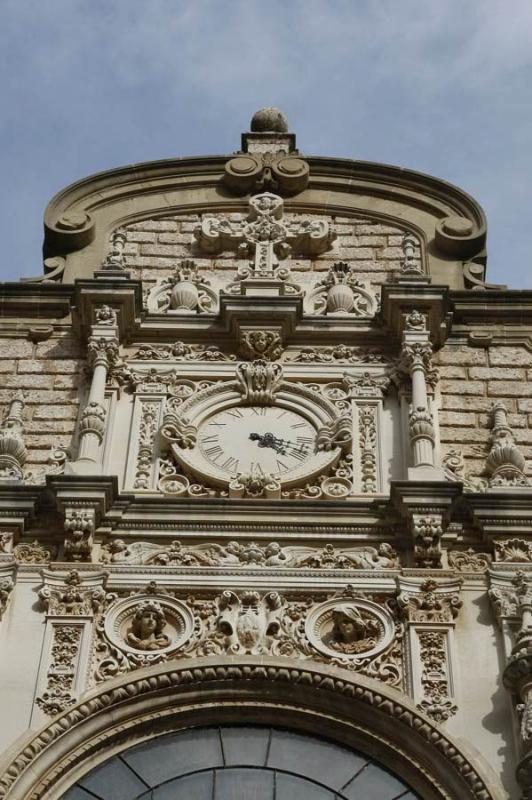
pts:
[257, 439]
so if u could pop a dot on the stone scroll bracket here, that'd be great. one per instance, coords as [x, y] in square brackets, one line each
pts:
[70, 601]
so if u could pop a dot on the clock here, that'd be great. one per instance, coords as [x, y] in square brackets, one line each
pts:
[257, 425]
[257, 439]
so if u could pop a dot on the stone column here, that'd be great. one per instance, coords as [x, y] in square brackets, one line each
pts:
[102, 353]
[416, 361]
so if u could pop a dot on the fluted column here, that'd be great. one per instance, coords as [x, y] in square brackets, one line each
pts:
[102, 352]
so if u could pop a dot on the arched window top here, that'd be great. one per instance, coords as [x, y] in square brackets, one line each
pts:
[237, 762]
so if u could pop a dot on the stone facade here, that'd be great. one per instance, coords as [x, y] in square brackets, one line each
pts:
[266, 445]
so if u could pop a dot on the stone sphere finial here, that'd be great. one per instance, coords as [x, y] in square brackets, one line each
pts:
[269, 119]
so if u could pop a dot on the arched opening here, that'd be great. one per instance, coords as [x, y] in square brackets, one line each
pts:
[229, 762]
[330, 709]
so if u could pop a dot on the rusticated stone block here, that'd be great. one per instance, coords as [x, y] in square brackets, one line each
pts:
[510, 356]
[60, 412]
[462, 387]
[457, 418]
[466, 356]
[509, 389]
[473, 403]
[15, 348]
[497, 373]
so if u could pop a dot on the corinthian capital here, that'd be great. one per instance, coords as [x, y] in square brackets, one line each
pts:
[102, 350]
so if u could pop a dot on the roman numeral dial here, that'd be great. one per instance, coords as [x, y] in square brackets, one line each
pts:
[254, 439]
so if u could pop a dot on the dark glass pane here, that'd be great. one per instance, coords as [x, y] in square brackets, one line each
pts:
[169, 756]
[321, 761]
[243, 784]
[76, 793]
[188, 787]
[113, 781]
[374, 783]
[245, 746]
[292, 787]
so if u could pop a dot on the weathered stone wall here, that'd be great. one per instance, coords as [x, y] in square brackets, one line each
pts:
[472, 379]
[155, 247]
[49, 374]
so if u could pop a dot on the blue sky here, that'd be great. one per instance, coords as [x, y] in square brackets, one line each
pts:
[442, 87]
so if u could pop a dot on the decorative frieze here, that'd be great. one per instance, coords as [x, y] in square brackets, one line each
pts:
[179, 351]
[237, 554]
[354, 631]
[337, 354]
[13, 453]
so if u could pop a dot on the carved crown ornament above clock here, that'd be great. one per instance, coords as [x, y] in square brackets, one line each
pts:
[256, 427]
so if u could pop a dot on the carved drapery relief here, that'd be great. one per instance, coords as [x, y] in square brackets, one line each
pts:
[429, 609]
[246, 554]
[13, 453]
[505, 463]
[186, 291]
[340, 293]
[265, 234]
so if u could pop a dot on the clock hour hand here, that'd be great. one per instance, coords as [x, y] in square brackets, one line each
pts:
[268, 440]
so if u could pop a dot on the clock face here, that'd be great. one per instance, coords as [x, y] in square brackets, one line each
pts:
[257, 439]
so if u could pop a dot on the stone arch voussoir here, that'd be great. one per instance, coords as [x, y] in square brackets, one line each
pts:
[345, 707]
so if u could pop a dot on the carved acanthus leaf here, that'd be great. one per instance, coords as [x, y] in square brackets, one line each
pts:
[258, 381]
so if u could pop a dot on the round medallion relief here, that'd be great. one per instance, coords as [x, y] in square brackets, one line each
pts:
[146, 624]
[350, 628]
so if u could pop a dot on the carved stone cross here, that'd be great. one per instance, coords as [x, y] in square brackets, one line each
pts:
[264, 234]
